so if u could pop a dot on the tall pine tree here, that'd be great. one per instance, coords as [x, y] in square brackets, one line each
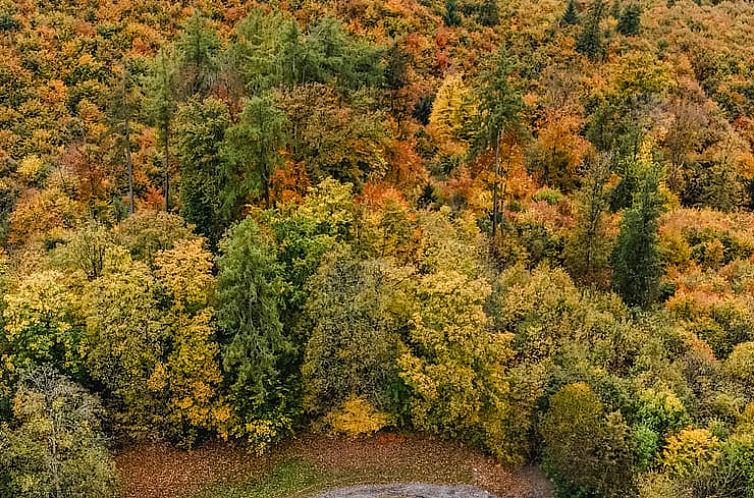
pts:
[571, 15]
[590, 39]
[160, 104]
[499, 107]
[253, 152]
[637, 264]
[629, 22]
[201, 127]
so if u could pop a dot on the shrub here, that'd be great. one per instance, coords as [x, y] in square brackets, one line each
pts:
[586, 451]
[689, 450]
[549, 195]
[645, 442]
[740, 365]
[661, 410]
[357, 417]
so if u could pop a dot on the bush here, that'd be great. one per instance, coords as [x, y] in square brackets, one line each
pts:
[740, 365]
[645, 443]
[356, 417]
[586, 451]
[689, 450]
[549, 195]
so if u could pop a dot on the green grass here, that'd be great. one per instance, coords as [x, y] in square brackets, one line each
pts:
[295, 478]
[290, 478]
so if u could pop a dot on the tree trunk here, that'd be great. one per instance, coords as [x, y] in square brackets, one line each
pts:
[130, 167]
[495, 187]
[166, 186]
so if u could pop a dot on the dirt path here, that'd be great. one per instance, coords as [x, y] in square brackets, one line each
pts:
[409, 490]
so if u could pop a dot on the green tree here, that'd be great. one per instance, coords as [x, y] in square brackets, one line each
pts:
[201, 130]
[499, 106]
[586, 451]
[253, 151]
[334, 57]
[488, 13]
[587, 249]
[85, 249]
[590, 41]
[122, 344]
[637, 262]
[571, 15]
[161, 86]
[148, 232]
[55, 447]
[629, 23]
[451, 17]
[124, 107]
[38, 317]
[356, 311]
[199, 57]
[257, 353]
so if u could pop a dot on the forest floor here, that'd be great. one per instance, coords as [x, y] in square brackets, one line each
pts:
[309, 465]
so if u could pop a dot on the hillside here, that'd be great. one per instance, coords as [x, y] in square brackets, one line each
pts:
[526, 227]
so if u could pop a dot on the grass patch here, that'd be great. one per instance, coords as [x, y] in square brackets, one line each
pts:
[288, 479]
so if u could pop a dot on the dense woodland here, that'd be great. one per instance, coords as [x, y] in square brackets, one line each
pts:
[526, 225]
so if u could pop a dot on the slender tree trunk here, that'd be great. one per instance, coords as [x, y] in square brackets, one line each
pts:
[166, 186]
[54, 461]
[495, 187]
[266, 181]
[130, 167]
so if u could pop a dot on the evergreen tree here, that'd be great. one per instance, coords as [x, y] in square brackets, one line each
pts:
[590, 39]
[199, 50]
[587, 254]
[123, 109]
[160, 104]
[488, 13]
[258, 357]
[396, 67]
[201, 127]
[253, 152]
[571, 15]
[451, 17]
[637, 263]
[499, 105]
[629, 22]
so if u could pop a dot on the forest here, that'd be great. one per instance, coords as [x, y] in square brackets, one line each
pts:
[524, 225]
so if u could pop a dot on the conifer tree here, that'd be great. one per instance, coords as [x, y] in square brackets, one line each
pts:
[199, 49]
[629, 22]
[590, 39]
[201, 127]
[637, 263]
[587, 253]
[160, 104]
[256, 352]
[253, 151]
[571, 15]
[451, 18]
[499, 107]
[124, 108]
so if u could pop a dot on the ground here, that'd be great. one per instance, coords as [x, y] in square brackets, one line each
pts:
[310, 465]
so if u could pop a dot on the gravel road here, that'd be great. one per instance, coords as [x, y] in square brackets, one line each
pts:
[409, 490]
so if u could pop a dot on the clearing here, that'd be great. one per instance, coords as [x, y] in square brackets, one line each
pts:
[308, 466]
